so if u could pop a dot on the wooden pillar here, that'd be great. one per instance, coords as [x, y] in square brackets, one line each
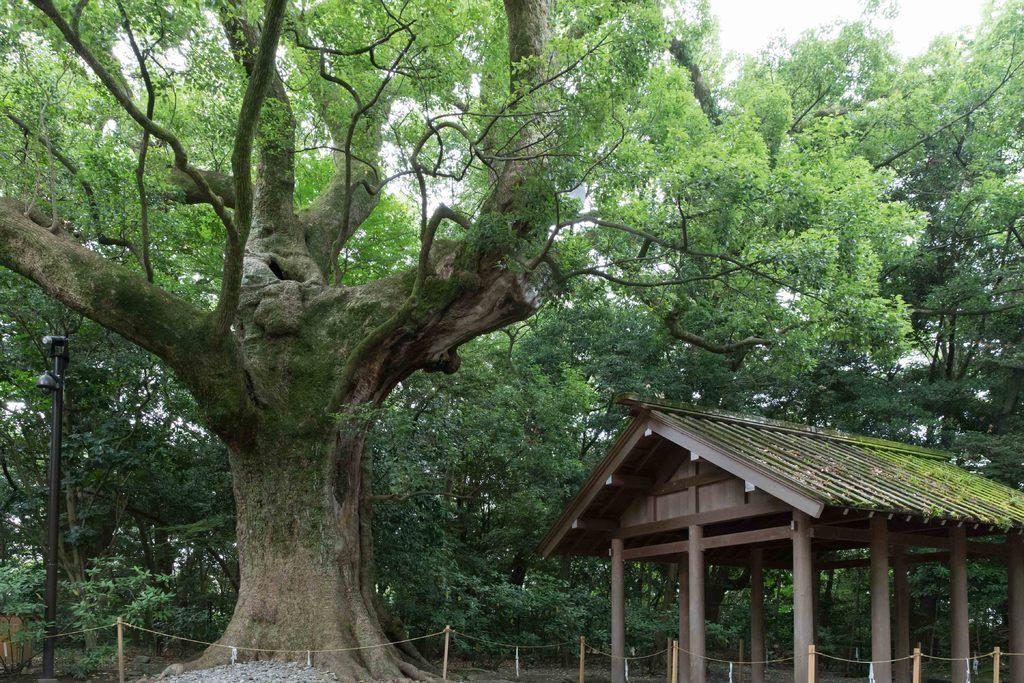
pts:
[815, 597]
[1015, 566]
[901, 592]
[683, 668]
[881, 627]
[757, 615]
[959, 634]
[803, 603]
[618, 614]
[698, 665]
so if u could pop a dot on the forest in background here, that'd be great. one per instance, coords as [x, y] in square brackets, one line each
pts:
[922, 343]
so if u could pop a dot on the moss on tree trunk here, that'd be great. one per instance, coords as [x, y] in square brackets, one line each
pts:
[304, 560]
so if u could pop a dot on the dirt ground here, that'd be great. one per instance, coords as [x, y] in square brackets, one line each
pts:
[142, 665]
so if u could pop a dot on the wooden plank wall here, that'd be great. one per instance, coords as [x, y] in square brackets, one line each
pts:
[715, 489]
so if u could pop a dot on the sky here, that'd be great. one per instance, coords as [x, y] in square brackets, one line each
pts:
[748, 25]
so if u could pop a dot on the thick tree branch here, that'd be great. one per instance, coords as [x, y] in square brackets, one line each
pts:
[222, 184]
[262, 74]
[735, 351]
[275, 181]
[101, 290]
[371, 341]
[124, 302]
[352, 192]
[680, 52]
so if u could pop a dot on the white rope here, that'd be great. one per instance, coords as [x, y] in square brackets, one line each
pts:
[517, 662]
[871, 673]
[309, 659]
[235, 648]
[234, 655]
[730, 672]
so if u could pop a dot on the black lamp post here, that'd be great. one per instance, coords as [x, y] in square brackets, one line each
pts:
[53, 382]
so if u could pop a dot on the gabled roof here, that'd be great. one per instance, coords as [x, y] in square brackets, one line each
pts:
[844, 470]
[805, 467]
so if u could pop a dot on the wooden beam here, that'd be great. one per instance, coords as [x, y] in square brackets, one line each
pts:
[881, 627]
[775, 533]
[757, 615]
[657, 550]
[803, 604]
[912, 558]
[618, 599]
[702, 479]
[698, 664]
[703, 518]
[683, 670]
[959, 636]
[901, 594]
[1015, 580]
[834, 533]
[629, 481]
[595, 524]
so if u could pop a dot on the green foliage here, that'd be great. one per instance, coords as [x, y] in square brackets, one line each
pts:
[19, 584]
[113, 589]
[19, 597]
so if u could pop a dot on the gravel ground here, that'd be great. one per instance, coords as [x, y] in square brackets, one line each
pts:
[255, 672]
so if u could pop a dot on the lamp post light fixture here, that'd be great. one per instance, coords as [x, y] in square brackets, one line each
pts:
[52, 382]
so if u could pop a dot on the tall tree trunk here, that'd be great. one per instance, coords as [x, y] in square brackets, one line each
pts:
[303, 559]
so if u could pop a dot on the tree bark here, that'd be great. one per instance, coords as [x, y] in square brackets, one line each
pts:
[302, 551]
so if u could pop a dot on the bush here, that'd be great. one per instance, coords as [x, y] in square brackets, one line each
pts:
[19, 596]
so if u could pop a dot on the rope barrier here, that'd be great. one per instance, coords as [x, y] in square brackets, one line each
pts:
[960, 659]
[594, 650]
[75, 633]
[588, 648]
[779, 660]
[510, 645]
[864, 661]
[236, 648]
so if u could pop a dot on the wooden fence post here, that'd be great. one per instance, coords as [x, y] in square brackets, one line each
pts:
[668, 660]
[675, 661]
[810, 663]
[120, 650]
[917, 664]
[444, 666]
[995, 664]
[583, 655]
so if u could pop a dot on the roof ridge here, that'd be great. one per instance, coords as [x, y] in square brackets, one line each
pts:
[632, 399]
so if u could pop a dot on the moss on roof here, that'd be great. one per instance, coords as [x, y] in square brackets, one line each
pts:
[846, 470]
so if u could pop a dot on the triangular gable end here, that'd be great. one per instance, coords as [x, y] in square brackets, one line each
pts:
[642, 487]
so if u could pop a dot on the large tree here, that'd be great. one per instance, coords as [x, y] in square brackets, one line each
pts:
[295, 207]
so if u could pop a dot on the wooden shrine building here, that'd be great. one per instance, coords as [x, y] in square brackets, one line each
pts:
[698, 487]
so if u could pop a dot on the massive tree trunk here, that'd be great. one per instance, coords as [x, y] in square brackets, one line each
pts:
[302, 544]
